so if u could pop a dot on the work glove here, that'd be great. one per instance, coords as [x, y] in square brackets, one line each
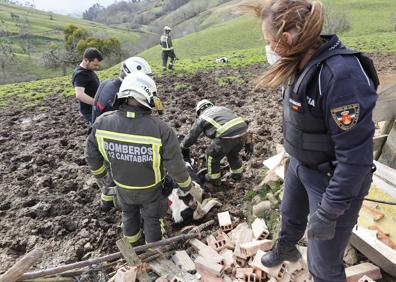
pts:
[320, 226]
[249, 150]
[185, 152]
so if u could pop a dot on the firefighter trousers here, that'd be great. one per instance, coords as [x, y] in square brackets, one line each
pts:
[168, 54]
[220, 148]
[137, 205]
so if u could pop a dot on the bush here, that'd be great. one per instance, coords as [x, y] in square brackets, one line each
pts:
[336, 21]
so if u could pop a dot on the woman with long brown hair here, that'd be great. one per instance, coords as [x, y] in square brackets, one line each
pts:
[329, 93]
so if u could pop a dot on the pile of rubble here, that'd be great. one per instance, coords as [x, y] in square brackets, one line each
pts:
[233, 254]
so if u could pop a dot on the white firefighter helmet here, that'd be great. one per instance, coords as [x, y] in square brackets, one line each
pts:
[202, 105]
[133, 64]
[167, 28]
[139, 86]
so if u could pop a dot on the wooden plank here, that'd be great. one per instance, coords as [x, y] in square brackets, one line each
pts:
[385, 172]
[51, 279]
[385, 108]
[380, 254]
[379, 141]
[132, 258]
[388, 92]
[18, 269]
[385, 178]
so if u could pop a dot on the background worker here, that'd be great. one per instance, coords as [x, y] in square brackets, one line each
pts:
[106, 100]
[86, 82]
[329, 96]
[106, 96]
[140, 148]
[167, 49]
[228, 133]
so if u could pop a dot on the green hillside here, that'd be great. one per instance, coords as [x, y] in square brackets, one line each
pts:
[31, 31]
[239, 39]
[372, 29]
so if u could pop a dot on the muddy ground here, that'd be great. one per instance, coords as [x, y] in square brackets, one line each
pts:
[48, 198]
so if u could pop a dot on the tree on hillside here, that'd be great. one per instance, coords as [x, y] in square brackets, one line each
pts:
[171, 5]
[336, 21]
[76, 40]
[25, 32]
[7, 57]
[92, 12]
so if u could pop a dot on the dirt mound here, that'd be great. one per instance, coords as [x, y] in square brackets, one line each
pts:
[48, 198]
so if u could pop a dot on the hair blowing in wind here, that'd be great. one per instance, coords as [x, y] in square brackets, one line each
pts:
[304, 19]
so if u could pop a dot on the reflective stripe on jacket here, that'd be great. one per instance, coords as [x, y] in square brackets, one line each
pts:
[166, 42]
[138, 147]
[215, 122]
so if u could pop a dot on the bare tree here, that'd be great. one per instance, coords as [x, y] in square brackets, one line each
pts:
[7, 57]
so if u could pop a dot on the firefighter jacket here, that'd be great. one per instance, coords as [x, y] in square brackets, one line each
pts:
[166, 42]
[329, 120]
[215, 122]
[138, 147]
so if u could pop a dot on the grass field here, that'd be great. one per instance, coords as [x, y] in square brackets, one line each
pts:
[372, 30]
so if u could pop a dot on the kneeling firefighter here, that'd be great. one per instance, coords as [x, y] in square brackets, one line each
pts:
[229, 134]
[139, 148]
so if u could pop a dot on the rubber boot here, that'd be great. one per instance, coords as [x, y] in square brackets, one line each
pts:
[281, 252]
[215, 182]
[140, 242]
[170, 66]
[106, 205]
[236, 176]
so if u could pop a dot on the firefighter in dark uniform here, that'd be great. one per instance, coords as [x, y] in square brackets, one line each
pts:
[328, 98]
[106, 100]
[106, 95]
[229, 136]
[167, 49]
[139, 149]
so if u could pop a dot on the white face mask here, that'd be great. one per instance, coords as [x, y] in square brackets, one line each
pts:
[272, 56]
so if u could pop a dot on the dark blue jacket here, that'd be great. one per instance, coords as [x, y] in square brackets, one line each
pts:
[342, 97]
[106, 98]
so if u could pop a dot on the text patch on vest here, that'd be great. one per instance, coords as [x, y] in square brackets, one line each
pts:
[130, 153]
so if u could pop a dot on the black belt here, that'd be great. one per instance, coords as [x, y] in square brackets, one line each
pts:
[326, 167]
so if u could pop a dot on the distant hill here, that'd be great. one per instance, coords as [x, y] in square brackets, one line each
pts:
[372, 28]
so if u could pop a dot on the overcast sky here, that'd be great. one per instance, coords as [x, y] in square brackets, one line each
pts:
[68, 6]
